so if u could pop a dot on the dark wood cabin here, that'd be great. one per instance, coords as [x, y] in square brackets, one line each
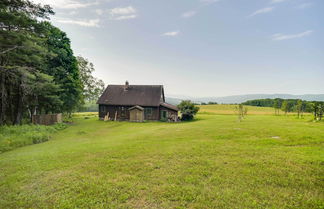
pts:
[136, 103]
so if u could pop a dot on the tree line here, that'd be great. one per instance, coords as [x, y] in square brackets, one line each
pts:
[38, 70]
[291, 105]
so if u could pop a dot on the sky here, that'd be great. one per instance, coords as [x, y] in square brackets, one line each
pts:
[200, 48]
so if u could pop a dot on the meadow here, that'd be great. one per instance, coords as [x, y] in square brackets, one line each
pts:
[265, 161]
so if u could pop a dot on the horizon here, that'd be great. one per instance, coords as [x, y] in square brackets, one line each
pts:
[204, 97]
[201, 48]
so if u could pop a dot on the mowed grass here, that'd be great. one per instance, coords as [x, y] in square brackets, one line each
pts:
[225, 109]
[214, 162]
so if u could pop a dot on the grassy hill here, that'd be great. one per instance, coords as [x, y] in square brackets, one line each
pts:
[213, 162]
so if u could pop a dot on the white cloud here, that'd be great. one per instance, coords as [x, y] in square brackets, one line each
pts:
[188, 14]
[281, 37]
[125, 17]
[123, 13]
[123, 10]
[85, 23]
[67, 4]
[262, 11]
[171, 33]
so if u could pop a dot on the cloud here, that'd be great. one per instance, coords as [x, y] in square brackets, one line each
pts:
[188, 14]
[262, 11]
[281, 37]
[84, 23]
[171, 33]
[67, 4]
[123, 13]
[125, 17]
[123, 10]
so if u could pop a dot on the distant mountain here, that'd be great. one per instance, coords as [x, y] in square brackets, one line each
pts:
[244, 98]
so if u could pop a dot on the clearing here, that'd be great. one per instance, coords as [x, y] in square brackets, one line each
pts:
[265, 161]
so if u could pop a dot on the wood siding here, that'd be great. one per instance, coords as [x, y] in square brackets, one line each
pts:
[123, 112]
[171, 115]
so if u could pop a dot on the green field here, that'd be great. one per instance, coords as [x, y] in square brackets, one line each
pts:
[265, 161]
[230, 110]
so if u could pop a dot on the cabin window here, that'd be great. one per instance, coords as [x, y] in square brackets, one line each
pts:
[148, 111]
[102, 108]
[163, 115]
[123, 111]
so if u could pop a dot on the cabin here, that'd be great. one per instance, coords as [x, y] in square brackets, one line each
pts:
[136, 103]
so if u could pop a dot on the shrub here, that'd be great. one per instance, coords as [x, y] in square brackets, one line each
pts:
[12, 137]
[188, 110]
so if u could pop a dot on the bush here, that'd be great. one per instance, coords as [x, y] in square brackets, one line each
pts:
[12, 137]
[188, 110]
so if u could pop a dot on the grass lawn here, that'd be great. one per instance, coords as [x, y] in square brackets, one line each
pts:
[214, 162]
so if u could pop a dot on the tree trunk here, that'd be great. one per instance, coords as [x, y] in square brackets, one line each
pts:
[19, 105]
[3, 98]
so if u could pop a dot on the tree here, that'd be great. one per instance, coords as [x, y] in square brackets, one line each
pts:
[276, 106]
[318, 110]
[188, 110]
[92, 87]
[38, 71]
[212, 103]
[284, 106]
[22, 35]
[241, 112]
[299, 108]
[63, 66]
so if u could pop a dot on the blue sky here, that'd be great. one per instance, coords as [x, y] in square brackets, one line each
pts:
[200, 47]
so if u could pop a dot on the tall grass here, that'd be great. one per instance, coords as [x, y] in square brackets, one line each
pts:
[12, 137]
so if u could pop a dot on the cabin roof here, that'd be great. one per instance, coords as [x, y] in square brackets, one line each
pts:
[132, 95]
[136, 107]
[169, 106]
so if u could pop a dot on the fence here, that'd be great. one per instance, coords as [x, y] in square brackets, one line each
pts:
[49, 119]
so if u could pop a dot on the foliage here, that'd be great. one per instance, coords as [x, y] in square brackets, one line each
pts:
[22, 35]
[63, 66]
[285, 107]
[89, 107]
[92, 87]
[212, 103]
[241, 112]
[12, 137]
[276, 105]
[38, 71]
[214, 162]
[291, 105]
[188, 110]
